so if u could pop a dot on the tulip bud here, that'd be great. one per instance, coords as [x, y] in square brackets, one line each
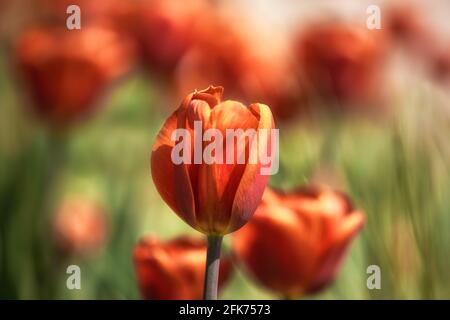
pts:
[296, 241]
[174, 270]
[79, 227]
[216, 180]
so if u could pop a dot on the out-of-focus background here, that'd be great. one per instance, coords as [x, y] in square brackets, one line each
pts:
[364, 111]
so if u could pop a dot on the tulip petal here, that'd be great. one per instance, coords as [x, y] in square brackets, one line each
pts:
[218, 182]
[172, 181]
[212, 95]
[333, 255]
[276, 248]
[252, 184]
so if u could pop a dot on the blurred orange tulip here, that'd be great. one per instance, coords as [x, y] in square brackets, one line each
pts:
[340, 62]
[440, 65]
[79, 227]
[166, 28]
[216, 198]
[231, 54]
[174, 270]
[406, 24]
[68, 70]
[217, 56]
[296, 241]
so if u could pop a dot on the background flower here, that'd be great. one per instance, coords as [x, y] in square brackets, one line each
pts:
[67, 73]
[174, 270]
[296, 241]
[80, 227]
[340, 61]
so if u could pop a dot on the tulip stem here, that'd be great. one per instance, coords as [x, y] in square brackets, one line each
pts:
[212, 267]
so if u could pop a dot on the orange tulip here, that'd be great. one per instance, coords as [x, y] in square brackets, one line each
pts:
[240, 60]
[218, 197]
[440, 65]
[406, 24]
[296, 241]
[166, 28]
[340, 62]
[174, 270]
[79, 227]
[68, 70]
[214, 59]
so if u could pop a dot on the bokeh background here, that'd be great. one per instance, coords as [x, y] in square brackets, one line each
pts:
[366, 113]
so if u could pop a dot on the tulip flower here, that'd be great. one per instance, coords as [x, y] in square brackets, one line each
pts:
[340, 62]
[296, 241]
[166, 28]
[215, 194]
[79, 227]
[174, 270]
[213, 59]
[406, 24]
[67, 71]
[241, 61]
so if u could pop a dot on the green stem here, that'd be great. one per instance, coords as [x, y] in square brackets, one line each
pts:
[212, 267]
